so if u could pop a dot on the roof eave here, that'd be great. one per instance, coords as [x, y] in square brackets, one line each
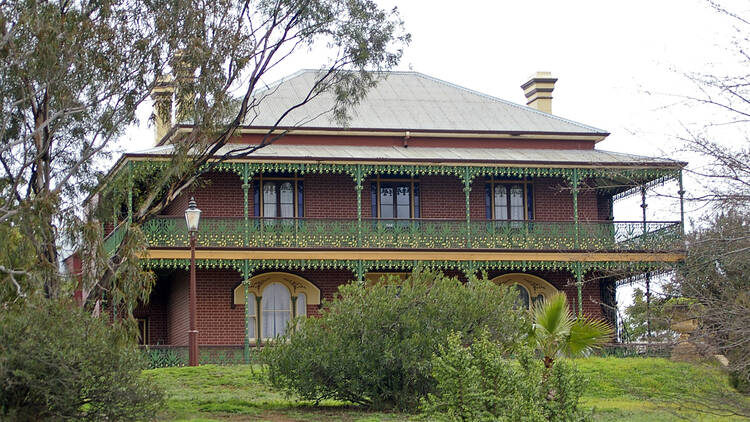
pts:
[542, 163]
[400, 132]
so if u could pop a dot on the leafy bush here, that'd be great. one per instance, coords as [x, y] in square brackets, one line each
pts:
[480, 383]
[57, 362]
[373, 345]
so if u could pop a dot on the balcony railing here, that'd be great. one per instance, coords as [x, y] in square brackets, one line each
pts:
[310, 233]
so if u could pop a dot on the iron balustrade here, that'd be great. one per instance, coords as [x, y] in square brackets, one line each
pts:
[315, 233]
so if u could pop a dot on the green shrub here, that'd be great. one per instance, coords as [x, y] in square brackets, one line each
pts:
[57, 362]
[480, 383]
[373, 345]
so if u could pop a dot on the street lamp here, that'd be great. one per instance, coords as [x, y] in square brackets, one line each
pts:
[192, 218]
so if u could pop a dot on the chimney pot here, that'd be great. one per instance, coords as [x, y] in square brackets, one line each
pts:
[538, 91]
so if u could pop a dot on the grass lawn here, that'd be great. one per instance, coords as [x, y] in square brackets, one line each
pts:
[633, 389]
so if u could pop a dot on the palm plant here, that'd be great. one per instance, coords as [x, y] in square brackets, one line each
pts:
[557, 332]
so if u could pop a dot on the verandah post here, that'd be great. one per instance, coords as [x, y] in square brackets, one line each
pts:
[358, 189]
[130, 192]
[246, 283]
[575, 182]
[360, 271]
[578, 271]
[579, 288]
[246, 212]
[681, 192]
[258, 313]
[467, 190]
[648, 273]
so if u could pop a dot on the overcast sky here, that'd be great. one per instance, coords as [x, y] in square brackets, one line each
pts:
[620, 64]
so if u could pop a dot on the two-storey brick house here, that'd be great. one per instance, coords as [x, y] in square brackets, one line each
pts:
[425, 174]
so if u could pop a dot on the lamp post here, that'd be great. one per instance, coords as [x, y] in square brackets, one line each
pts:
[192, 218]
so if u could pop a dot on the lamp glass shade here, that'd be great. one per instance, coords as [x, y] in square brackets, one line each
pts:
[192, 216]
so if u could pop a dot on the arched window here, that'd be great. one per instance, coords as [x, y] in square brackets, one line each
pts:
[523, 300]
[276, 305]
[530, 288]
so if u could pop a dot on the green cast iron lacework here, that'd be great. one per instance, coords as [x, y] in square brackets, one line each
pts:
[640, 174]
[184, 264]
[112, 242]
[468, 267]
[307, 233]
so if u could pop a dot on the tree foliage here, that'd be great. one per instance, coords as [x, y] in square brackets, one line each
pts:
[479, 382]
[637, 317]
[373, 345]
[57, 362]
[715, 275]
[556, 332]
[74, 74]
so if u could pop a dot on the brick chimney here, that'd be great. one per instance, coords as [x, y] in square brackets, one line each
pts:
[162, 96]
[538, 91]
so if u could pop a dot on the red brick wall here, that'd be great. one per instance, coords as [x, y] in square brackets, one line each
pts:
[333, 196]
[442, 197]
[177, 312]
[554, 201]
[220, 324]
[330, 196]
[218, 321]
[603, 207]
[156, 313]
[439, 196]
[217, 194]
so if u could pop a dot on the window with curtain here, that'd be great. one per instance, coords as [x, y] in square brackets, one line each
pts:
[395, 199]
[276, 305]
[278, 197]
[301, 305]
[509, 201]
[252, 321]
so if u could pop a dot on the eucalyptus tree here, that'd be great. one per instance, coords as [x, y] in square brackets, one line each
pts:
[73, 74]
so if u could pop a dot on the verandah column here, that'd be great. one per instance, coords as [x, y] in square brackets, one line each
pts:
[578, 271]
[467, 190]
[648, 273]
[358, 190]
[246, 212]
[246, 273]
[681, 192]
[130, 192]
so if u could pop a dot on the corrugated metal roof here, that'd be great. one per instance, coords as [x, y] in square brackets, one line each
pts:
[407, 101]
[397, 153]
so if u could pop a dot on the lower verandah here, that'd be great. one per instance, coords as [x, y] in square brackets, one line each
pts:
[221, 309]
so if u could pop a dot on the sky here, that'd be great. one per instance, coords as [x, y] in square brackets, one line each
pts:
[620, 65]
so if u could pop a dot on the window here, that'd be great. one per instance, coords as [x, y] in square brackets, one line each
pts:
[509, 200]
[395, 198]
[276, 305]
[282, 296]
[278, 197]
[301, 305]
[252, 322]
[524, 299]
